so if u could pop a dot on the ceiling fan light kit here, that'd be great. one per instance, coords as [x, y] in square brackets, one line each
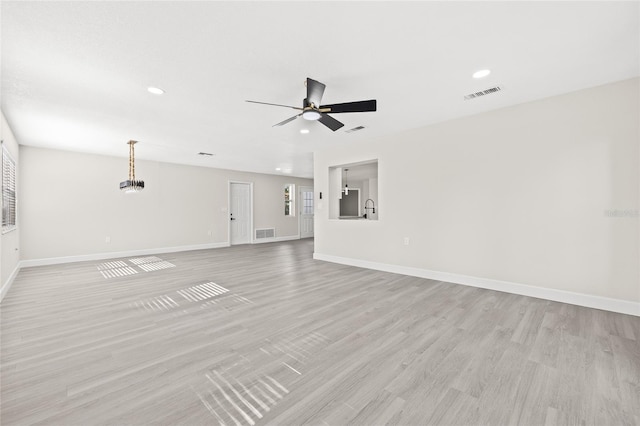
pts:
[311, 115]
[312, 110]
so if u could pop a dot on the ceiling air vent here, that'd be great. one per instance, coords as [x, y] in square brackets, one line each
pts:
[205, 154]
[355, 129]
[482, 93]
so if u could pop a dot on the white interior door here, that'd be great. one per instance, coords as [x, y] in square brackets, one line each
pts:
[305, 198]
[239, 213]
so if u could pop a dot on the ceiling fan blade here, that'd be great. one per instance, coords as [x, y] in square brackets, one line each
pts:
[330, 122]
[358, 106]
[315, 90]
[266, 103]
[287, 120]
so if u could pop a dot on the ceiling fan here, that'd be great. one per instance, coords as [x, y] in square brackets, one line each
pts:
[312, 110]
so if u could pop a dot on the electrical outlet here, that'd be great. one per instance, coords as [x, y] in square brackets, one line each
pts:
[107, 240]
[406, 241]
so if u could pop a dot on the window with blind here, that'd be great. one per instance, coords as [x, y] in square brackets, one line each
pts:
[8, 192]
[289, 200]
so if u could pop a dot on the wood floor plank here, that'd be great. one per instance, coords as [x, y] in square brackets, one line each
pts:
[455, 408]
[263, 334]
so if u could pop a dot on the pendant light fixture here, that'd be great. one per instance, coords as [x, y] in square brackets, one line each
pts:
[131, 184]
[346, 186]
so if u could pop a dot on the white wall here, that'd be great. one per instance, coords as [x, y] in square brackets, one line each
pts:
[518, 195]
[70, 203]
[10, 242]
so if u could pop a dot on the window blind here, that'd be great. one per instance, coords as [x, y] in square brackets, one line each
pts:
[8, 191]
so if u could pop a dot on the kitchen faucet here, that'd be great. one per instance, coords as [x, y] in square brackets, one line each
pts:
[373, 209]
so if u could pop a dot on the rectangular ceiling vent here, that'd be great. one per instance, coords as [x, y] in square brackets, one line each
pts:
[482, 93]
[355, 129]
[261, 234]
[206, 154]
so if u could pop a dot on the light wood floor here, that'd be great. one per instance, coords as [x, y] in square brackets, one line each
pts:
[263, 334]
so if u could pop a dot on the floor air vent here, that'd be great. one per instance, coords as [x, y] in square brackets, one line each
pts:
[482, 93]
[261, 234]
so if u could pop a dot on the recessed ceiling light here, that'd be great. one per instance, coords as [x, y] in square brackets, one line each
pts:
[304, 131]
[481, 73]
[155, 90]
[278, 169]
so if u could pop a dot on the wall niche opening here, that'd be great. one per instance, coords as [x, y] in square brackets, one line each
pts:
[353, 191]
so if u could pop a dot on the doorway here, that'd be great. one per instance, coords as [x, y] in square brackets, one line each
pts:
[306, 211]
[240, 212]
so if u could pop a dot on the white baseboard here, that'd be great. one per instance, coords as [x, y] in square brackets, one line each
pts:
[580, 299]
[113, 255]
[6, 286]
[276, 239]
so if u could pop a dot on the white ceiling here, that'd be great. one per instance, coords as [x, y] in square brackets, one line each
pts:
[74, 74]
